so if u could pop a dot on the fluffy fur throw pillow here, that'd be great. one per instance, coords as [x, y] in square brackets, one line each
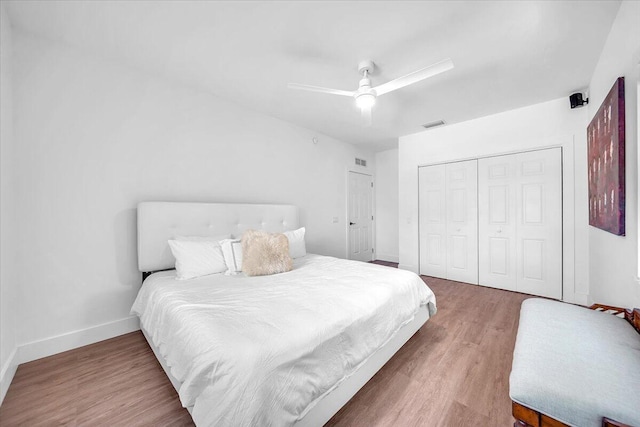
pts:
[265, 253]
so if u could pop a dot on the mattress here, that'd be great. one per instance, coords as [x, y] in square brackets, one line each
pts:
[264, 350]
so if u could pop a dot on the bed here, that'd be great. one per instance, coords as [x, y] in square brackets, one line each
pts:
[285, 349]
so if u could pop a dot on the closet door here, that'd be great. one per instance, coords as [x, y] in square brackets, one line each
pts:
[520, 222]
[539, 215]
[462, 221]
[432, 222]
[497, 178]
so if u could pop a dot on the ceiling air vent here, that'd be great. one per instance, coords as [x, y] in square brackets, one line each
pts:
[361, 162]
[433, 124]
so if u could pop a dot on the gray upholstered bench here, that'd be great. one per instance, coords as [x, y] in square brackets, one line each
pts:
[574, 366]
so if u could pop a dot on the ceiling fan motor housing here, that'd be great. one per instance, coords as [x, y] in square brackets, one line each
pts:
[365, 96]
[364, 88]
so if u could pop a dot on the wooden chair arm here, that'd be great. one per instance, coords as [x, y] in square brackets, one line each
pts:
[631, 315]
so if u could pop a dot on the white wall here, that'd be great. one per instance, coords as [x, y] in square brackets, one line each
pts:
[386, 215]
[8, 223]
[547, 124]
[614, 259]
[94, 138]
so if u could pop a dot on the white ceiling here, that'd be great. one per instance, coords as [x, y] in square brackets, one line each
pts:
[507, 54]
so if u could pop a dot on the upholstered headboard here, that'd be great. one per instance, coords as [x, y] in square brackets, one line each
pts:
[159, 222]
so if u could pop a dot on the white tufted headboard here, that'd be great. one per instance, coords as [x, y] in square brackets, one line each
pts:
[159, 222]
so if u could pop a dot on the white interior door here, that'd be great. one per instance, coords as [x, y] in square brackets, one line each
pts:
[520, 222]
[462, 221]
[432, 220]
[539, 215]
[360, 216]
[497, 222]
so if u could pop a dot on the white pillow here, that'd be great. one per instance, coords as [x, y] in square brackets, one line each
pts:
[232, 252]
[195, 258]
[297, 247]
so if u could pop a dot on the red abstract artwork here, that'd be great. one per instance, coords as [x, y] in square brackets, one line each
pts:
[605, 139]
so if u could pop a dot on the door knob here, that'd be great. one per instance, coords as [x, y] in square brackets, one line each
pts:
[351, 223]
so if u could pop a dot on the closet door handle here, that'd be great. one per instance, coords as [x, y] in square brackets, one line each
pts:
[351, 223]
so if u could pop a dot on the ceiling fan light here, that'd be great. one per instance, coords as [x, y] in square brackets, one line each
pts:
[365, 100]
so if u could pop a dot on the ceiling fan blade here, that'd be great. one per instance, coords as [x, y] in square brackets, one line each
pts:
[414, 77]
[366, 116]
[321, 89]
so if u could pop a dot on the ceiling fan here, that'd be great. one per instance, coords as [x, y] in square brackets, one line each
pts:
[365, 95]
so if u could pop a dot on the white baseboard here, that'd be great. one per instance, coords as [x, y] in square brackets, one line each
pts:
[8, 371]
[49, 346]
[54, 345]
[387, 257]
[577, 298]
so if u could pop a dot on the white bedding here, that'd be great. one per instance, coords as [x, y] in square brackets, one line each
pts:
[263, 350]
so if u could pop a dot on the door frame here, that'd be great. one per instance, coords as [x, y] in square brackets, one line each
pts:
[373, 210]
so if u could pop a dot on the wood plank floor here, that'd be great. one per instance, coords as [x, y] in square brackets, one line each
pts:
[453, 372]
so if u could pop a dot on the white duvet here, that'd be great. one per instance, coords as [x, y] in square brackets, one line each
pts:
[261, 351]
